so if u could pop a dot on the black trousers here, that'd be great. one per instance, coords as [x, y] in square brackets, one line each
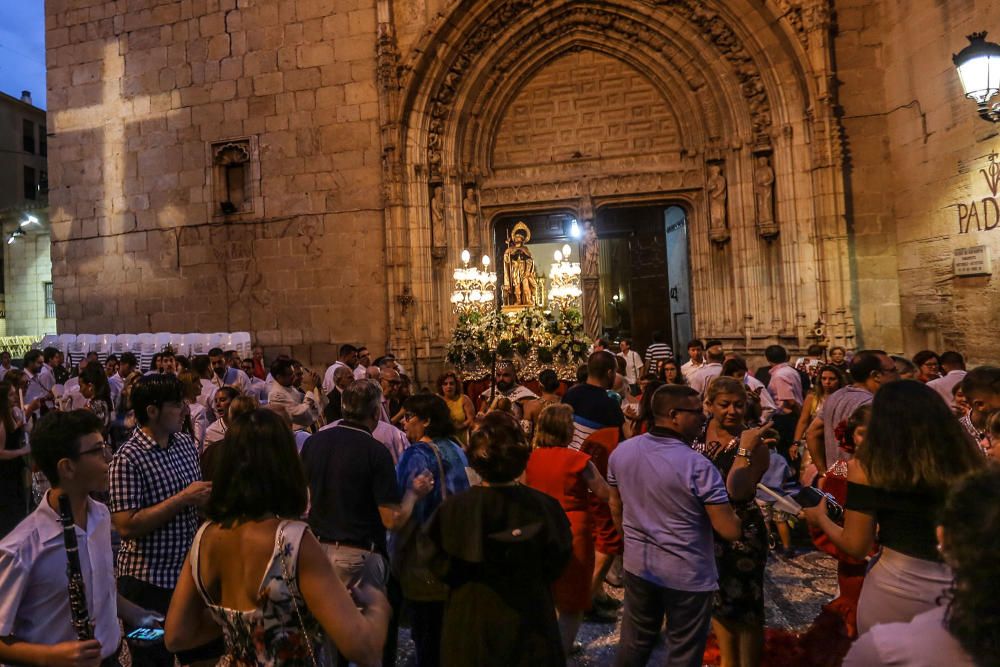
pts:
[148, 596]
[426, 622]
[689, 617]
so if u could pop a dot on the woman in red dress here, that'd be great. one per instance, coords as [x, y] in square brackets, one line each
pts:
[568, 476]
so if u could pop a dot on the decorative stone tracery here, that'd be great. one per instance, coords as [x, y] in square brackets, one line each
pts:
[739, 76]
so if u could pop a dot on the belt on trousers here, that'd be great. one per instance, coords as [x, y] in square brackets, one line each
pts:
[364, 546]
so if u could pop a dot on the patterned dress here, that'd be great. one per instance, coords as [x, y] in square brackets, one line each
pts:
[741, 564]
[280, 631]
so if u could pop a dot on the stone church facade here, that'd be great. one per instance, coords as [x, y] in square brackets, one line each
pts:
[298, 168]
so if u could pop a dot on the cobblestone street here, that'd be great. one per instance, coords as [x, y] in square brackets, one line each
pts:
[795, 590]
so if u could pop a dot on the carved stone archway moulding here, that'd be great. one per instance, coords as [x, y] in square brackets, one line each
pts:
[743, 79]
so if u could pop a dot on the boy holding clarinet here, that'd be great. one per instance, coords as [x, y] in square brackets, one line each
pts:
[58, 600]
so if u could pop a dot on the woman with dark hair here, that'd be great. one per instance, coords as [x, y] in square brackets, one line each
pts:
[913, 450]
[463, 413]
[253, 519]
[928, 365]
[95, 388]
[13, 449]
[499, 547]
[738, 614]
[549, 380]
[965, 630]
[670, 372]
[569, 476]
[216, 431]
[429, 427]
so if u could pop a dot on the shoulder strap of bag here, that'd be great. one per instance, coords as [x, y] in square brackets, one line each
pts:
[443, 485]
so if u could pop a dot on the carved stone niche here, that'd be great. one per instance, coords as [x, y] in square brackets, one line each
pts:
[234, 177]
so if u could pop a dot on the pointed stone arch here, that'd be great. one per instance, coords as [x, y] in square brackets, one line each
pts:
[744, 79]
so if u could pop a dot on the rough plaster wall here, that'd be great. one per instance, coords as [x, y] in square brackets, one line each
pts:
[917, 147]
[138, 92]
[584, 105]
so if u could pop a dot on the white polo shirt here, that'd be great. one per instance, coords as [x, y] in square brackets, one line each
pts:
[34, 598]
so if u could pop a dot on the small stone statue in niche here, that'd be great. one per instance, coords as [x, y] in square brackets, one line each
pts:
[763, 188]
[439, 237]
[470, 206]
[718, 229]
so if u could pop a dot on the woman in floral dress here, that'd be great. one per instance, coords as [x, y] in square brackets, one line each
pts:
[738, 617]
[257, 576]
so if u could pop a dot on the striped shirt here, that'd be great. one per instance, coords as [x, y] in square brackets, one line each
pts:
[144, 474]
[657, 352]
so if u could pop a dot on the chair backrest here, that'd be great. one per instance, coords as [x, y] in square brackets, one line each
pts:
[219, 340]
[240, 341]
[124, 343]
[198, 343]
[146, 349]
[66, 342]
[49, 340]
[161, 340]
[180, 345]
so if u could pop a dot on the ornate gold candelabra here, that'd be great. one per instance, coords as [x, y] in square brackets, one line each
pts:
[564, 277]
[475, 288]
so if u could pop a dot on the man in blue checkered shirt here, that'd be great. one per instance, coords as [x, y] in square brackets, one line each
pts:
[156, 490]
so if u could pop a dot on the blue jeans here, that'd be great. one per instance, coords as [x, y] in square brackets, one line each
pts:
[689, 617]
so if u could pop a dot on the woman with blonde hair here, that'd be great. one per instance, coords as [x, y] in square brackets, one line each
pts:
[569, 476]
[738, 614]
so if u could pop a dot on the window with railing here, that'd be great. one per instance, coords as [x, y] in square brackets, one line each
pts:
[50, 301]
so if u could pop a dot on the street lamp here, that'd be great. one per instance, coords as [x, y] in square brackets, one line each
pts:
[978, 67]
[28, 220]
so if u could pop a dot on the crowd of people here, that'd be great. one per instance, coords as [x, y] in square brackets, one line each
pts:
[266, 514]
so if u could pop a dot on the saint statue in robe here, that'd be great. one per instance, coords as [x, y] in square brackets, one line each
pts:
[519, 269]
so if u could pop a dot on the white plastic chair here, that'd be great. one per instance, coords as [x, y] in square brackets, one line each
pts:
[66, 341]
[49, 340]
[240, 341]
[102, 345]
[124, 343]
[146, 350]
[179, 343]
[161, 340]
[198, 343]
[219, 340]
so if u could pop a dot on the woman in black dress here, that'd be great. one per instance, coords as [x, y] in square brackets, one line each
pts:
[12, 461]
[738, 616]
[499, 547]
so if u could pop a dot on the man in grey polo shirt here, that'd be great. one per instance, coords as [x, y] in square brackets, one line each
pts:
[667, 498]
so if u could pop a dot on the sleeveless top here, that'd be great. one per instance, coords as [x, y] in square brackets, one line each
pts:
[456, 410]
[907, 520]
[271, 634]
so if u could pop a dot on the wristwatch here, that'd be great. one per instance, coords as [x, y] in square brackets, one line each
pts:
[745, 453]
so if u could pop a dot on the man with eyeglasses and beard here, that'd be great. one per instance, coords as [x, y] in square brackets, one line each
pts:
[508, 387]
[224, 375]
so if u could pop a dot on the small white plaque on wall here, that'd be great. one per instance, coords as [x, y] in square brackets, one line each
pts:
[974, 261]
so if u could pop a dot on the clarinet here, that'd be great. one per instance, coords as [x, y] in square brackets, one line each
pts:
[77, 593]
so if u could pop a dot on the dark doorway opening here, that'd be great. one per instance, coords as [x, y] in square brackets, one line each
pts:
[645, 277]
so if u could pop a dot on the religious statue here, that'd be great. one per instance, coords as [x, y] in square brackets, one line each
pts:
[471, 208]
[718, 230]
[590, 272]
[763, 188]
[519, 268]
[439, 242]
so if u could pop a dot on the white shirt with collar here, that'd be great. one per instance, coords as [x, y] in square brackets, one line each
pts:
[258, 389]
[36, 387]
[302, 408]
[944, 386]
[690, 367]
[360, 373]
[234, 378]
[700, 379]
[34, 602]
[633, 365]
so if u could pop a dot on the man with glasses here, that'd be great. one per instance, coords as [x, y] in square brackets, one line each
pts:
[156, 490]
[34, 598]
[870, 369]
[668, 499]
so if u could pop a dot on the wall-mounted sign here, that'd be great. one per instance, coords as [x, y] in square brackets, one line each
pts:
[982, 214]
[974, 261]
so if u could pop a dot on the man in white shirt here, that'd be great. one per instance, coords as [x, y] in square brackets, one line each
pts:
[700, 378]
[347, 356]
[225, 376]
[47, 374]
[257, 387]
[33, 363]
[953, 369]
[633, 364]
[696, 354]
[785, 385]
[364, 361]
[302, 406]
[34, 598]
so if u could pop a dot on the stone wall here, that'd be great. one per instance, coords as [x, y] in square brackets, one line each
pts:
[26, 270]
[917, 148]
[140, 94]
[585, 106]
